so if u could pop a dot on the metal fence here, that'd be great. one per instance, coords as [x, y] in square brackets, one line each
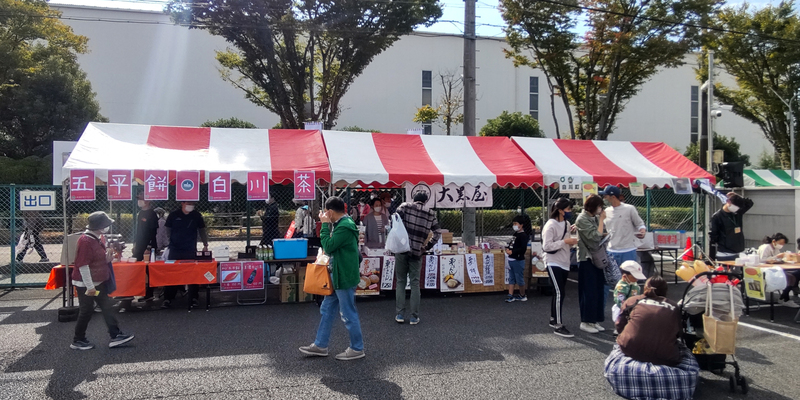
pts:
[238, 223]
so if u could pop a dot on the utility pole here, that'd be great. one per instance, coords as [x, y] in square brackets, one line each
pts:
[468, 236]
[710, 156]
[790, 116]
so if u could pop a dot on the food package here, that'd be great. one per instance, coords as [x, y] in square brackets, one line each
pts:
[322, 258]
[790, 257]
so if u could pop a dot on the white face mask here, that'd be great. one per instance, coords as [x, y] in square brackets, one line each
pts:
[515, 228]
[140, 203]
[599, 210]
[106, 229]
[378, 209]
[732, 208]
[188, 208]
[778, 246]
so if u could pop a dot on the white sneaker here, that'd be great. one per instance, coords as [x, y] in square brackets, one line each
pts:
[599, 327]
[587, 327]
[788, 304]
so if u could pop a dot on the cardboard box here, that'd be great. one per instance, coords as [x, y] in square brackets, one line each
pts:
[289, 288]
[447, 237]
[302, 296]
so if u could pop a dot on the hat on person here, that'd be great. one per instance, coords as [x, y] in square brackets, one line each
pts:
[633, 268]
[98, 220]
[611, 190]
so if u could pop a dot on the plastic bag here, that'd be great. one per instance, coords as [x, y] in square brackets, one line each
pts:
[322, 258]
[775, 279]
[397, 239]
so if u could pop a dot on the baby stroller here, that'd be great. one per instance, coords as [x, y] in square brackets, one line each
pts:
[717, 303]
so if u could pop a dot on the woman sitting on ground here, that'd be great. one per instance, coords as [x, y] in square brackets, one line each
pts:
[648, 361]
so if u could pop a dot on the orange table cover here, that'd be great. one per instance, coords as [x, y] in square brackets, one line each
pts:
[131, 279]
[182, 273]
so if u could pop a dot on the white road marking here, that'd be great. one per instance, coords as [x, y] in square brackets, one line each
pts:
[762, 329]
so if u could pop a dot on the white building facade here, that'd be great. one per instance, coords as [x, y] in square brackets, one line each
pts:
[145, 70]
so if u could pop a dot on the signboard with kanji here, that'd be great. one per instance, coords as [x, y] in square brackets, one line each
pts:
[258, 186]
[81, 185]
[156, 185]
[304, 185]
[219, 186]
[570, 184]
[187, 186]
[452, 195]
[119, 185]
[30, 200]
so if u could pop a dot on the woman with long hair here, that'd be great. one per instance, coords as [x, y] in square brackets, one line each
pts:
[591, 280]
[556, 243]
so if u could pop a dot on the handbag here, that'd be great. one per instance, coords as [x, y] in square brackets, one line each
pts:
[611, 272]
[397, 239]
[318, 280]
[562, 238]
[720, 331]
[600, 258]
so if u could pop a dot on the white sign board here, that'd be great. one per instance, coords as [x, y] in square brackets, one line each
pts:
[30, 200]
[61, 152]
[570, 184]
[312, 126]
[452, 195]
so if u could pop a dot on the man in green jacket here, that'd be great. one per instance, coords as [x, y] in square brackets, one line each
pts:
[339, 237]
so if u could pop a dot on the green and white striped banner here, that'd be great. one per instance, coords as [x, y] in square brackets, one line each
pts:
[770, 178]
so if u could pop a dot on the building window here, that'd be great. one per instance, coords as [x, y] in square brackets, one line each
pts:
[695, 115]
[427, 96]
[534, 97]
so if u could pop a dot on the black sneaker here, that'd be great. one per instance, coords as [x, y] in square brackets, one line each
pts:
[81, 345]
[510, 299]
[120, 339]
[165, 304]
[563, 332]
[195, 303]
[553, 325]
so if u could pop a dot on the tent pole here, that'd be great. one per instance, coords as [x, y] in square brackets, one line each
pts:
[68, 283]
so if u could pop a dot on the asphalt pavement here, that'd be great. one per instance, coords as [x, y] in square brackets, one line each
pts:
[465, 347]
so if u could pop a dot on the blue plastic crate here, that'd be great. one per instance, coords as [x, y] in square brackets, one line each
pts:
[290, 248]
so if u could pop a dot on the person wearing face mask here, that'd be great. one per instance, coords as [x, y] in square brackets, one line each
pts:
[183, 226]
[304, 225]
[771, 249]
[556, 243]
[376, 223]
[269, 222]
[624, 225]
[146, 228]
[727, 231]
[591, 280]
[92, 277]
[521, 224]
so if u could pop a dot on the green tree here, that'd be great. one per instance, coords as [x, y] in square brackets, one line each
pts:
[767, 160]
[760, 50]
[44, 95]
[626, 44]
[729, 147]
[354, 128]
[512, 124]
[282, 46]
[232, 122]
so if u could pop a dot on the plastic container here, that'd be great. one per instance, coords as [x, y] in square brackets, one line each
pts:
[290, 248]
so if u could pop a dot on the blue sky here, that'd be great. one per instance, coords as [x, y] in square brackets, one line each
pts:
[489, 22]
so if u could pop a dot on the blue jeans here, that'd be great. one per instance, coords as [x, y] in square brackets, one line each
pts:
[619, 258]
[345, 301]
[517, 273]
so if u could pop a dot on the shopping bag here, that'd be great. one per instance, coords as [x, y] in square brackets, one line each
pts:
[720, 331]
[318, 280]
[397, 239]
[290, 231]
[611, 272]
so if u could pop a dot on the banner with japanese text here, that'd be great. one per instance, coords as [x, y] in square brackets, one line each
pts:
[219, 186]
[258, 186]
[488, 269]
[156, 185]
[452, 195]
[187, 186]
[387, 273]
[81, 185]
[472, 269]
[451, 271]
[119, 185]
[230, 276]
[304, 185]
[370, 277]
[431, 269]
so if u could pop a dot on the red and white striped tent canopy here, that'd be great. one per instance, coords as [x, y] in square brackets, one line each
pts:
[381, 159]
[609, 162]
[104, 147]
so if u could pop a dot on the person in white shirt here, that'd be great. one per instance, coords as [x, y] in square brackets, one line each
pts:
[556, 243]
[771, 250]
[624, 225]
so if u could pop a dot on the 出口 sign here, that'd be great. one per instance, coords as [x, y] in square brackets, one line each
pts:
[30, 200]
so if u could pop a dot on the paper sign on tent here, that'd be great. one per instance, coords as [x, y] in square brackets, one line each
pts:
[119, 185]
[187, 186]
[81, 185]
[258, 186]
[304, 185]
[219, 186]
[156, 185]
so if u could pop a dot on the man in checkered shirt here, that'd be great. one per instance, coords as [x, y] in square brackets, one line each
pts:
[418, 221]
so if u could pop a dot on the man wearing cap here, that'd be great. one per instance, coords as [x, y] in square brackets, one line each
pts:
[624, 225]
[183, 226]
[91, 277]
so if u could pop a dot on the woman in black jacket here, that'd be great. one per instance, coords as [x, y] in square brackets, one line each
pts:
[516, 257]
[727, 231]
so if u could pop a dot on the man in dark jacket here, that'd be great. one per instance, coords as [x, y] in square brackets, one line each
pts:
[146, 228]
[269, 222]
[727, 231]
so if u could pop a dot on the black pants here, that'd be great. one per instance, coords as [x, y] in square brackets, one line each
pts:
[790, 285]
[591, 292]
[87, 309]
[559, 277]
[33, 241]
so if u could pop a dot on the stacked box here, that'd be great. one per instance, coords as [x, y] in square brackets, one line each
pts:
[289, 288]
[302, 296]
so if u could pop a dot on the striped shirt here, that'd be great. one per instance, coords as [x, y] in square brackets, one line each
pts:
[418, 221]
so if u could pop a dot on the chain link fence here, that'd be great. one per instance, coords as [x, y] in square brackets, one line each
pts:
[241, 223]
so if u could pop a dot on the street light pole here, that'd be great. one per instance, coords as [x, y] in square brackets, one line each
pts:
[790, 115]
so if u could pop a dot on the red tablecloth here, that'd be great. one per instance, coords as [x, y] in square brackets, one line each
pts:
[182, 273]
[131, 279]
